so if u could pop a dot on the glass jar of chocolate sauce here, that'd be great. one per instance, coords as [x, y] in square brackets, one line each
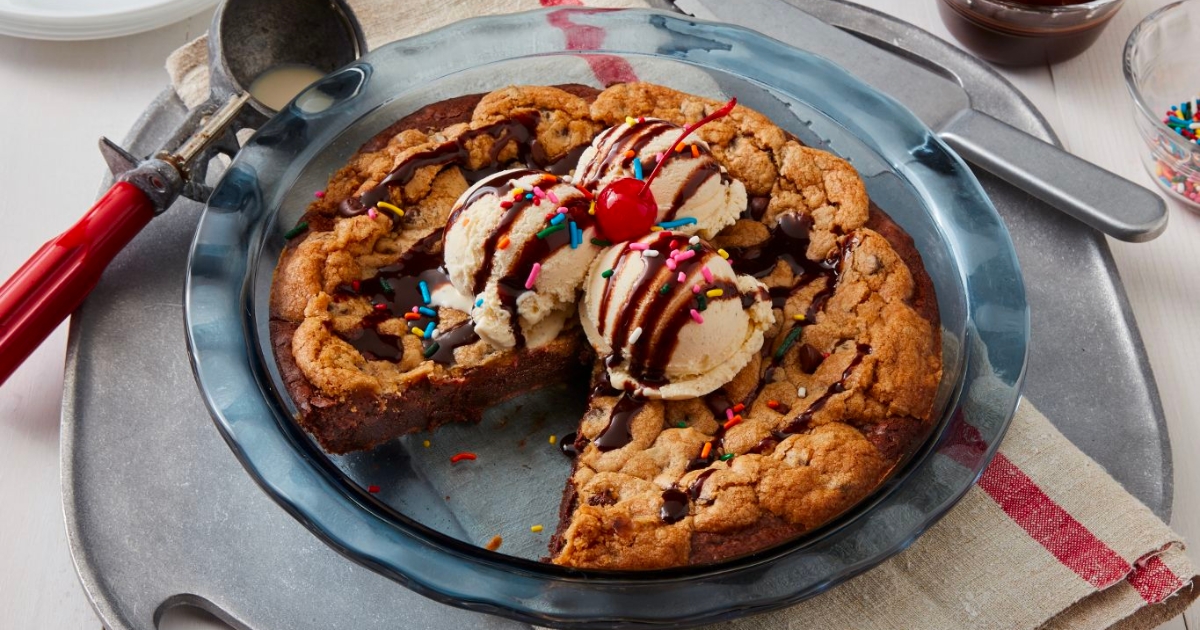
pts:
[1028, 32]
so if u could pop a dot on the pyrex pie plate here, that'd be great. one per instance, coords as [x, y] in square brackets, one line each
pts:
[425, 526]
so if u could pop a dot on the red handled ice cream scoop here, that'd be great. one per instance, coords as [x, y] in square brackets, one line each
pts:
[57, 278]
[251, 45]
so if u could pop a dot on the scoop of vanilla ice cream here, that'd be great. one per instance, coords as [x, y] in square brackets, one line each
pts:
[522, 286]
[691, 185]
[671, 317]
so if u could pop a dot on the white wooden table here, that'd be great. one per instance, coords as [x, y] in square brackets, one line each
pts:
[57, 98]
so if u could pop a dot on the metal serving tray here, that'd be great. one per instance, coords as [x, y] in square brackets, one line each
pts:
[159, 512]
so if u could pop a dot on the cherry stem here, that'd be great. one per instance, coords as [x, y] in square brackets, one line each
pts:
[720, 113]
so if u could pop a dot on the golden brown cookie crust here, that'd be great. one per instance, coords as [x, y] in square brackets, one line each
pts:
[811, 439]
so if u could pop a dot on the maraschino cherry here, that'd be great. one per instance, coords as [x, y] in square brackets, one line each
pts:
[625, 208]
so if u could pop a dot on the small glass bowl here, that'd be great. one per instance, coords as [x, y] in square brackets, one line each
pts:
[1161, 71]
[1024, 33]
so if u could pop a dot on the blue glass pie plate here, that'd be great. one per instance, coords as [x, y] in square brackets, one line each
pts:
[426, 523]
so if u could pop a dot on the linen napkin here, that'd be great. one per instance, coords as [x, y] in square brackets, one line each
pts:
[1046, 538]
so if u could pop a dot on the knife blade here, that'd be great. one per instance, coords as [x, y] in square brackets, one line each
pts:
[1098, 198]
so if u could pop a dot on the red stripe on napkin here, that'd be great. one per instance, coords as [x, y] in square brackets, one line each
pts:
[1154, 580]
[608, 69]
[1050, 525]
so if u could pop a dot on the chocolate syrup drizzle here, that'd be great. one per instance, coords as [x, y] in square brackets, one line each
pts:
[619, 431]
[521, 129]
[394, 291]
[661, 316]
[801, 422]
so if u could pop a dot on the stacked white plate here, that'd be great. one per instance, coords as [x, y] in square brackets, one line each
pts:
[91, 19]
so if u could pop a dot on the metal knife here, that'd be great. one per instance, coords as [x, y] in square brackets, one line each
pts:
[1103, 200]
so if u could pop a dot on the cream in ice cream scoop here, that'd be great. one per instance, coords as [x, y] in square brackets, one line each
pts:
[518, 243]
[693, 192]
[671, 317]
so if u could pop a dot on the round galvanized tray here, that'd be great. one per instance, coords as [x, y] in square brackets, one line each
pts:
[159, 512]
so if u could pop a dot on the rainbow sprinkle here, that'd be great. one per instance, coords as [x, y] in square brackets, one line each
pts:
[320, 194]
[558, 218]
[607, 273]
[1184, 119]
[372, 213]
[418, 332]
[429, 330]
[429, 352]
[708, 276]
[391, 208]
[552, 229]
[635, 335]
[503, 242]
[681, 278]
[714, 293]
[706, 451]
[461, 456]
[535, 528]
[424, 287]
[639, 247]
[667, 225]
[637, 169]
[652, 253]
[426, 311]
[533, 275]
[478, 302]
[553, 439]
[296, 231]
[790, 339]
[723, 254]
[697, 317]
